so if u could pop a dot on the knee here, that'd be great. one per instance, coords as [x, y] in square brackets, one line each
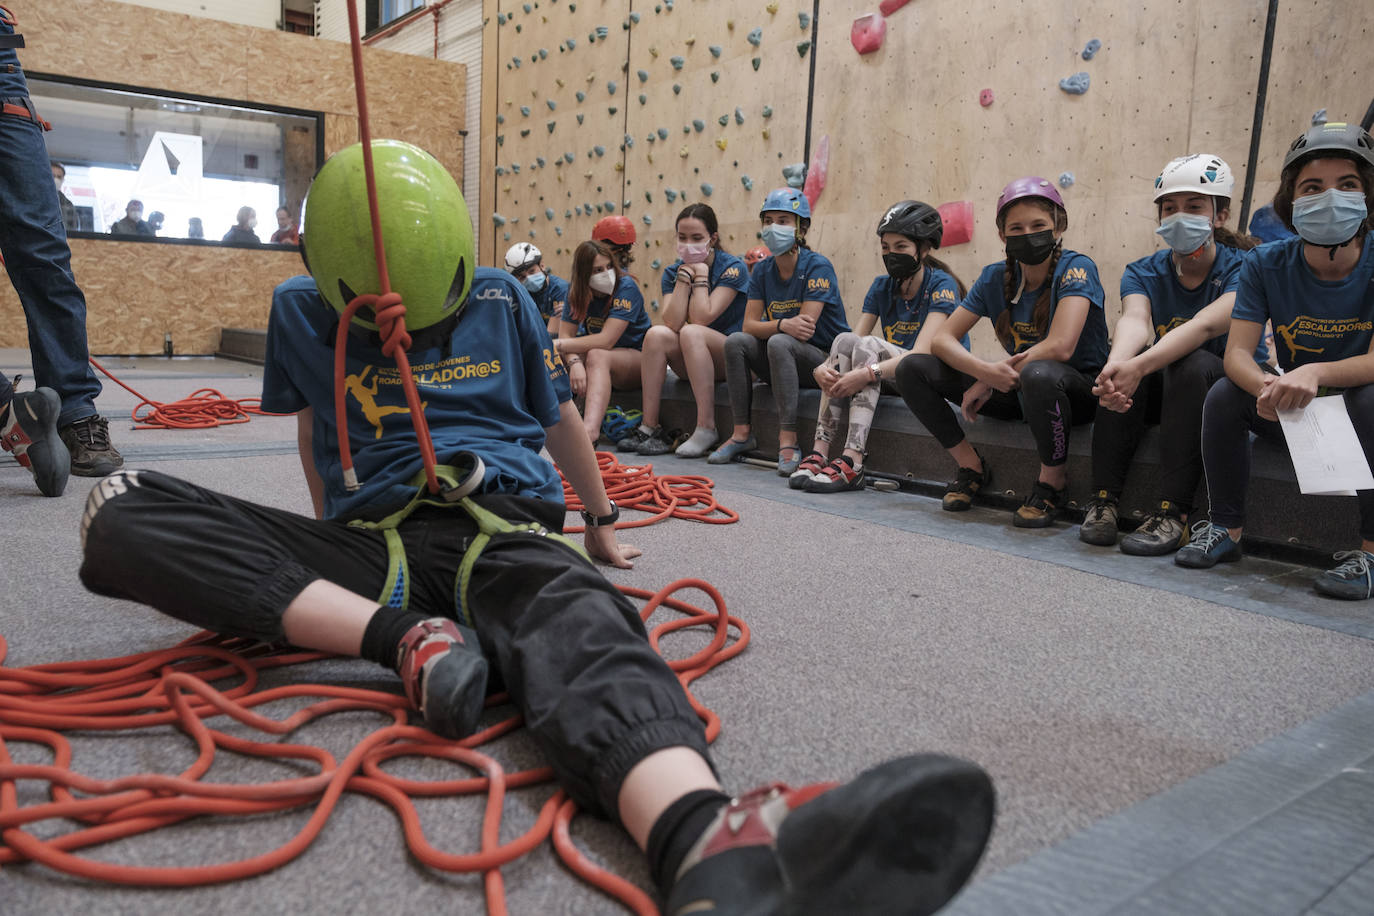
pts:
[739, 343]
[1040, 375]
[780, 346]
[660, 339]
[692, 336]
[1225, 399]
[598, 360]
[104, 519]
[845, 342]
[916, 369]
[1195, 369]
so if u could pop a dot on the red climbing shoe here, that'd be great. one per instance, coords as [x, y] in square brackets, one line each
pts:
[902, 837]
[445, 676]
[29, 430]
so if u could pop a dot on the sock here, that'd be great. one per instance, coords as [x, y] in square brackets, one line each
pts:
[704, 437]
[677, 829]
[648, 430]
[384, 632]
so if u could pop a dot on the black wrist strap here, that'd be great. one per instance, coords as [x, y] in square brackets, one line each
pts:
[602, 521]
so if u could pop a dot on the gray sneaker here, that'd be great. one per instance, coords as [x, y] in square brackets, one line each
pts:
[1161, 533]
[88, 440]
[1099, 522]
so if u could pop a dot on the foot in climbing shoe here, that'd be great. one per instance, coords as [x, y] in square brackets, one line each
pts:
[732, 450]
[88, 440]
[28, 429]
[445, 676]
[902, 837]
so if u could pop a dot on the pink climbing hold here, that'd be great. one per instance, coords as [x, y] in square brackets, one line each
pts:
[815, 176]
[867, 33]
[958, 219]
[888, 7]
[985, 98]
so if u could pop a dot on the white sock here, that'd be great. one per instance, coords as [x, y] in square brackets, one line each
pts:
[647, 430]
[704, 437]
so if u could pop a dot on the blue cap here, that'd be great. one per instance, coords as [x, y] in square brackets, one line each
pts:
[787, 200]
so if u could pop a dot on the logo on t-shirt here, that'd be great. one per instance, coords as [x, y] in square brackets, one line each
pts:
[1023, 335]
[900, 331]
[622, 305]
[365, 393]
[942, 295]
[1073, 275]
[1176, 321]
[1316, 330]
[783, 309]
[815, 283]
[730, 273]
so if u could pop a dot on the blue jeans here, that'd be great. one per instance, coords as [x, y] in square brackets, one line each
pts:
[33, 243]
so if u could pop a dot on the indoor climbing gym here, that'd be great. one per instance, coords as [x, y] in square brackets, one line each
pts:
[687, 457]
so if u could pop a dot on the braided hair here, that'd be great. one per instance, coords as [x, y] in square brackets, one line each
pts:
[1040, 318]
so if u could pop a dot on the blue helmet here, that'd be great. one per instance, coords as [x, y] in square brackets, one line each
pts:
[787, 200]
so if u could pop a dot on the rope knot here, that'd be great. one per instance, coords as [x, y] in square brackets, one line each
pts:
[391, 323]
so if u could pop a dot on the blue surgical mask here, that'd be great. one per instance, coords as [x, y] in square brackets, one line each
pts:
[534, 282]
[1185, 233]
[1329, 218]
[779, 239]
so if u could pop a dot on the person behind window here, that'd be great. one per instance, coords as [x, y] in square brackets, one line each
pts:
[155, 220]
[133, 222]
[70, 220]
[195, 229]
[242, 233]
[287, 233]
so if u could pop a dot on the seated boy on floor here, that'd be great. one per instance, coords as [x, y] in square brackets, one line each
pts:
[438, 588]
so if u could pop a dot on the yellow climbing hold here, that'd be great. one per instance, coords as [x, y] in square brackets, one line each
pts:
[682, 152]
[772, 8]
[653, 51]
[720, 144]
[506, 189]
[766, 135]
[690, 40]
[730, 24]
[620, 166]
[559, 82]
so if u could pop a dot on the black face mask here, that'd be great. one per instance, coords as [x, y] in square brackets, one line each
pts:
[900, 266]
[1031, 249]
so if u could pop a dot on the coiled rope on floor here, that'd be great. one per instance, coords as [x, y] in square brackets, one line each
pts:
[206, 408]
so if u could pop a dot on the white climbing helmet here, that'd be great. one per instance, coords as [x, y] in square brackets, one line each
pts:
[1200, 173]
[522, 254]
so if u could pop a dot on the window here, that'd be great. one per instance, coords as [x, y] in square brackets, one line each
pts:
[195, 164]
[383, 12]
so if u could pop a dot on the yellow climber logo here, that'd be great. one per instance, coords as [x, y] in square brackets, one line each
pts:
[365, 394]
[899, 331]
[1304, 330]
[1023, 335]
[1176, 321]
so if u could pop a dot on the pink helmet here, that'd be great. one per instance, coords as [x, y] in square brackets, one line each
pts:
[1030, 186]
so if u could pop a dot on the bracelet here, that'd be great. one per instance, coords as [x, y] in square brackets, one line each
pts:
[780, 326]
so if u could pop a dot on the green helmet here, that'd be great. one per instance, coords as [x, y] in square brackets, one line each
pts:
[430, 253]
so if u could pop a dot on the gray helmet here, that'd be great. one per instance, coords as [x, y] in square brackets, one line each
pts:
[915, 220]
[1335, 136]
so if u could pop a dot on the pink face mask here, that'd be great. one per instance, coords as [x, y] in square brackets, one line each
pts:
[693, 253]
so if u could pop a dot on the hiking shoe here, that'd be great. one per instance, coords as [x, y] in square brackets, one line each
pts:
[1208, 545]
[902, 837]
[1351, 580]
[837, 477]
[660, 443]
[811, 467]
[786, 466]
[1040, 508]
[636, 437]
[445, 676]
[30, 432]
[732, 450]
[1099, 521]
[1162, 532]
[88, 440]
[966, 485]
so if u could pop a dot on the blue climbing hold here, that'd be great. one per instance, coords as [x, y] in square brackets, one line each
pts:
[500, 18]
[551, 125]
[558, 230]
[1066, 180]
[500, 119]
[698, 125]
[634, 17]
[755, 37]
[610, 206]
[1076, 84]
[500, 170]
[655, 264]
[648, 220]
[767, 111]
[581, 96]
[670, 194]
[739, 115]
[539, 161]
[498, 219]
[677, 89]
[1091, 48]
[795, 174]
[507, 236]
[525, 110]
[706, 188]
[525, 132]
[1319, 117]
[579, 117]
[602, 31]
[804, 20]
[715, 50]
[568, 158]
[643, 99]
[549, 214]
[663, 133]
[599, 150]
[629, 141]
[643, 75]
[543, 53]
[571, 43]
[527, 8]
[747, 182]
[515, 167]
[677, 62]
[723, 120]
[551, 103]
[610, 87]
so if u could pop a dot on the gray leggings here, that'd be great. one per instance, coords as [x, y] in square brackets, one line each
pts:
[848, 351]
[782, 361]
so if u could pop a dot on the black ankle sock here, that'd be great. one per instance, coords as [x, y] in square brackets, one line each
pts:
[384, 632]
[677, 829]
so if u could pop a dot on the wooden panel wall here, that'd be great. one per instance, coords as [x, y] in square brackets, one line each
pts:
[138, 292]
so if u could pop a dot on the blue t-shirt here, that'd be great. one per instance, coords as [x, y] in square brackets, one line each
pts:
[1074, 275]
[1315, 321]
[493, 390]
[1173, 304]
[901, 319]
[813, 280]
[627, 304]
[550, 299]
[725, 269]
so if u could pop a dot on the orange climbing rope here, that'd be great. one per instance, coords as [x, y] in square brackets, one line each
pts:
[204, 409]
[685, 496]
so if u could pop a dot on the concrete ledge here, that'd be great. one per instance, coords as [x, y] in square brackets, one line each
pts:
[1281, 521]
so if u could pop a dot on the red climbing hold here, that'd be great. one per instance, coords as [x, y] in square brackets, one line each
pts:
[958, 219]
[815, 176]
[985, 98]
[867, 33]
[888, 7]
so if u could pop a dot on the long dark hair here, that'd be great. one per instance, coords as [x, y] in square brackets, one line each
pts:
[1040, 318]
[708, 219]
[580, 292]
[1288, 184]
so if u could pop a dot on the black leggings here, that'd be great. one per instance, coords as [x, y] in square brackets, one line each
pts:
[1053, 397]
[1183, 386]
[570, 648]
[1230, 415]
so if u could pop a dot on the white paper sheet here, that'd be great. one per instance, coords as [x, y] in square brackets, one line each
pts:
[1326, 452]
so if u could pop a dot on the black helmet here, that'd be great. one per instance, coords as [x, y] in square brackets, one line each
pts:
[1337, 136]
[915, 220]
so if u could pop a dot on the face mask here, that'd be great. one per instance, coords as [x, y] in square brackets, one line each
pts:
[1031, 249]
[534, 282]
[252, 224]
[604, 282]
[693, 253]
[1185, 233]
[57, 181]
[779, 239]
[1329, 218]
[900, 265]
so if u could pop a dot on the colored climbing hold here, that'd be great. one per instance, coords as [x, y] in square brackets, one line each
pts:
[567, 214]
[803, 47]
[500, 170]
[715, 50]
[612, 110]
[756, 62]
[804, 20]
[1319, 117]
[599, 150]
[610, 87]
[500, 18]
[527, 8]
[715, 76]
[643, 75]
[1076, 84]
[500, 119]
[866, 34]
[1066, 180]
[525, 132]
[610, 206]
[629, 141]
[581, 96]
[698, 125]
[501, 139]
[721, 144]
[653, 51]
[515, 167]
[767, 133]
[568, 158]
[572, 7]
[739, 115]
[1091, 48]
[677, 62]
[558, 230]
[663, 133]
[985, 98]
[690, 40]
[768, 111]
[677, 89]
[682, 152]
[795, 174]
[816, 174]
[551, 125]
[888, 7]
[686, 128]
[643, 99]
[648, 220]
[655, 264]
[958, 219]
[539, 161]
[670, 194]
[723, 120]
[602, 31]
[571, 43]
[543, 53]
[525, 110]
[747, 182]
[516, 61]
[648, 198]
[755, 37]
[706, 189]
[634, 17]
[507, 236]
[579, 117]
[549, 214]
[498, 219]
[551, 103]
[772, 9]
[668, 5]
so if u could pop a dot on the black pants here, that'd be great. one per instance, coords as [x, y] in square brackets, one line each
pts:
[1182, 386]
[569, 647]
[1230, 415]
[1053, 397]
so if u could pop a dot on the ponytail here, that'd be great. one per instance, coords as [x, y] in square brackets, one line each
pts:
[1232, 239]
[1040, 318]
[930, 261]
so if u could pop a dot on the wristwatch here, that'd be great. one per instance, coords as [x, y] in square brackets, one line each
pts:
[603, 521]
[875, 368]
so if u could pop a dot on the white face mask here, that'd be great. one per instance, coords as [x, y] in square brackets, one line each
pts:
[604, 282]
[57, 181]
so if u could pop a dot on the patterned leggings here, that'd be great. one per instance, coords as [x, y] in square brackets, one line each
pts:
[849, 351]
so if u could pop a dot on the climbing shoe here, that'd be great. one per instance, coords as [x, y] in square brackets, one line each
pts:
[810, 468]
[1099, 521]
[837, 477]
[445, 676]
[28, 429]
[660, 443]
[88, 440]
[1161, 533]
[966, 485]
[732, 450]
[1040, 508]
[1352, 579]
[1208, 545]
[636, 437]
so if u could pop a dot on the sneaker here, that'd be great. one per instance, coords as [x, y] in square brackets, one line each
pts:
[445, 676]
[88, 440]
[1099, 521]
[732, 450]
[660, 443]
[1208, 545]
[786, 466]
[30, 433]
[902, 837]
[1040, 508]
[636, 437]
[837, 477]
[1161, 533]
[1351, 580]
[966, 485]
[811, 467]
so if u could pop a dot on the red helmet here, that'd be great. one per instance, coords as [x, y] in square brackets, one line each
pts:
[618, 230]
[755, 254]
